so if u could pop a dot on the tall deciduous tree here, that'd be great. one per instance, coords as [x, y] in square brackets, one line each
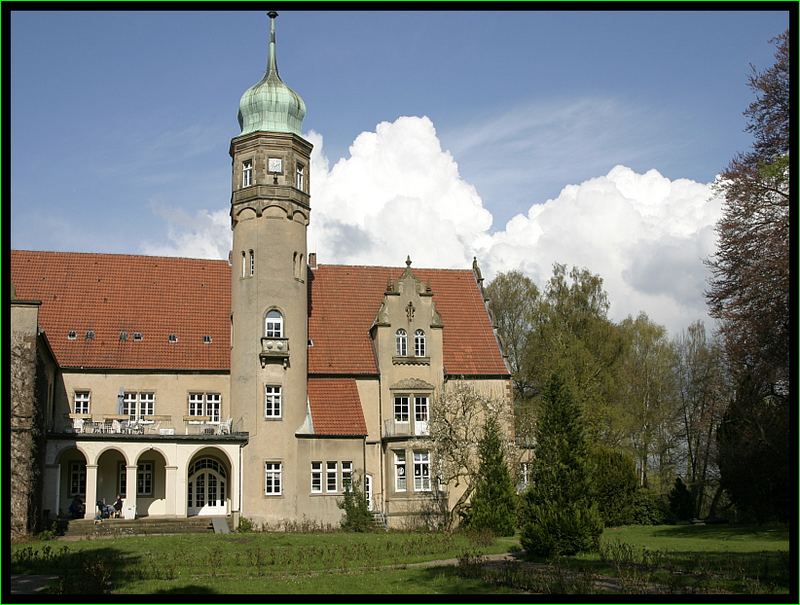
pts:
[749, 293]
[704, 390]
[573, 337]
[648, 398]
[749, 290]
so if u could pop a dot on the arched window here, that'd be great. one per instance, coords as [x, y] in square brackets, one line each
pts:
[419, 343]
[273, 324]
[401, 343]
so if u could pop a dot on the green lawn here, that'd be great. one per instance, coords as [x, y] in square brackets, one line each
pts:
[671, 558]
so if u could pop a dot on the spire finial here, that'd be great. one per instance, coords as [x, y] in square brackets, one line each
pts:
[408, 261]
[273, 61]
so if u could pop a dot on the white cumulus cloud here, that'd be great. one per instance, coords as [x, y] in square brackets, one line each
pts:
[399, 193]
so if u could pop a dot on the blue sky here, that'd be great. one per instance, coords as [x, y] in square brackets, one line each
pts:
[121, 121]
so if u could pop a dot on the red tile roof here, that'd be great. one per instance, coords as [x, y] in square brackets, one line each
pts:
[336, 407]
[111, 293]
[158, 296]
[344, 301]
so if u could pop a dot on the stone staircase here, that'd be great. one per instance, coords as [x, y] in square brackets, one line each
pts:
[143, 526]
[379, 519]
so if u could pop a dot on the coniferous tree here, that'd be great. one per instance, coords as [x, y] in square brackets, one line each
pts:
[494, 503]
[559, 516]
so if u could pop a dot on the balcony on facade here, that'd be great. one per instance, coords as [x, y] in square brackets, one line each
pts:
[165, 425]
[274, 349]
[393, 428]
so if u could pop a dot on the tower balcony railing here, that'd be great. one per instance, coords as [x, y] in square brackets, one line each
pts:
[274, 349]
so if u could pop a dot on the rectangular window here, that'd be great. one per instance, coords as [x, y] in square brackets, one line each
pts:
[422, 472]
[138, 405]
[399, 471]
[244, 264]
[122, 480]
[247, 173]
[147, 404]
[252, 263]
[77, 479]
[272, 402]
[272, 479]
[330, 480]
[299, 176]
[401, 408]
[144, 479]
[205, 404]
[82, 399]
[316, 477]
[347, 474]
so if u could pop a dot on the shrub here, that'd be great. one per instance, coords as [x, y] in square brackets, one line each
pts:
[562, 529]
[681, 501]
[614, 484]
[494, 503]
[356, 511]
[648, 508]
[245, 525]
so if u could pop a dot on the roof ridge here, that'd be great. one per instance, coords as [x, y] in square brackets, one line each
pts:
[122, 255]
[390, 267]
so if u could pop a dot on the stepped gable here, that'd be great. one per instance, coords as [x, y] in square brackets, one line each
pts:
[343, 303]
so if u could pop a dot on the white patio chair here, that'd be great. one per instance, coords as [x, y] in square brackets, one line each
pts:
[116, 427]
[225, 427]
[77, 425]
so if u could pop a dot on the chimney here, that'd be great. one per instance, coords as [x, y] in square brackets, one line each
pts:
[312, 260]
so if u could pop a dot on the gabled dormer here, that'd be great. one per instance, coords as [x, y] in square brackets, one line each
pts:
[407, 317]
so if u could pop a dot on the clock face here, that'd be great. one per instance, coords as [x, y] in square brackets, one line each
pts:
[275, 165]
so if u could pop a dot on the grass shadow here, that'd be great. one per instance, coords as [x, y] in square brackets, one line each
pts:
[725, 532]
[189, 589]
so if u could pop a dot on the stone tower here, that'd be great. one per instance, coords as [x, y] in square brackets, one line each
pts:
[270, 211]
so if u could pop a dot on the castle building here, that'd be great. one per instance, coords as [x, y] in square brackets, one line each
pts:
[258, 386]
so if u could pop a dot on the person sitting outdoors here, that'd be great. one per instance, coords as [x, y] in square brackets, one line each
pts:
[118, 506]
[104, 511]
[76, 509]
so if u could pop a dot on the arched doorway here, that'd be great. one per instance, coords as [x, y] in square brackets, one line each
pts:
[207, 487]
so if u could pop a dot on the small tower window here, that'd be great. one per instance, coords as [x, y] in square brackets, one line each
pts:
[247, 173]
[401, 343]
[273, 325]
[252, 263]
[244, 264]
[419, 343]
[299, 176]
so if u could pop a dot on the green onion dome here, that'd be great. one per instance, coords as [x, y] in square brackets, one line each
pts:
[270, 105]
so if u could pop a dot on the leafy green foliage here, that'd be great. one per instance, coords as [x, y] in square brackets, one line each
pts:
[558, 515]
[494, 503]
[648, 508]
[356, 511]
[615, 483]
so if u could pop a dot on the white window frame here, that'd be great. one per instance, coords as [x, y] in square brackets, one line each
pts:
[331, 473]
[316, 477]
[273, 476]
[347, 474]
[206, 404]
[144, 478]
[273, 324]
[273, 399]
[77, 478]
[82, 402]
[419, 344]
[244, 264]
[400, 475]
[422, 471]
[401, 403]
[401, 343]
[122, 480]
[299, 176]
[247, 173]
[137, 405]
